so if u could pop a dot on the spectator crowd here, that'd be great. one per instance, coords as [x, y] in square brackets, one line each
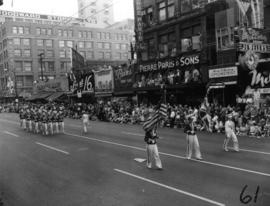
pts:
[249, 120]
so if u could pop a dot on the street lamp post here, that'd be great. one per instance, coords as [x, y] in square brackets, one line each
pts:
[41, 64]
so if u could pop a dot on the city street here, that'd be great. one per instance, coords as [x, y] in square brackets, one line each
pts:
[99, 168]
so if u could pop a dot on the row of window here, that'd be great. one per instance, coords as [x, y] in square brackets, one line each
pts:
[167, 10]
[68, 33]
[190, 39]
[22, 52]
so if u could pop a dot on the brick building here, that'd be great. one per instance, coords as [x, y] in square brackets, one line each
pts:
[27, 38]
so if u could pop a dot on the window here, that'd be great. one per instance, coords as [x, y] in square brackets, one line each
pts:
[225, 38]
[49, 53]
[70, 44]
[40, 42]
[43, 31]
[117, 46]
[27, 30]
[17, 52]
[166, 10]
[28, 66]
[185, 6]
[151, 49]
[107, 55]
[100, 55]
[14, 30]
[167, 45]
[65, 33]
[61, 43]
[108, 36]
[81, 44]
[123, 47]
[191, 38]
[49, 43]
[62, 54]
[28, 81]
[80, 34]
[99, 35]
[70, 33]
[26, 42]
[50, 66]
[148, 16]
[49, 31]
[107, 45]
[27, 52]
[162, 11]
[84, 34]
[51, 77]
[19, 81]
[89, 34]
[100, 45]
[60, 32]
[41, 51]
[38, 31]
[89, 45]
[124, 56]
[16, 41]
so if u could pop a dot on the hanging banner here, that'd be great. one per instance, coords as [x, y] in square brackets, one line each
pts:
[123, 78]
[104, 81]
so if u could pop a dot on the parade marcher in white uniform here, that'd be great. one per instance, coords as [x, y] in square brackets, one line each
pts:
[230, 134]
[153, 159]
[192, 139]
[85, 121]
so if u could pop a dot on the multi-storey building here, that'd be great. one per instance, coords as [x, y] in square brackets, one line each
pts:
[36, 45]
[178, 41]
[99, 13]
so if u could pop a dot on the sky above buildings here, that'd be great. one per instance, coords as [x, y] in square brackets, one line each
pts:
[122, 8]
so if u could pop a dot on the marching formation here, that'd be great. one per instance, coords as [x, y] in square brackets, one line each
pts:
[42, 119]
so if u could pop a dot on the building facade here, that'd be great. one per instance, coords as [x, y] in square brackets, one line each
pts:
[99, 13]
[33, 46]
[179, 41]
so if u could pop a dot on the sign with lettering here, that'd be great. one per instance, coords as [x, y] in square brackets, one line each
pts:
[82, 84]
[223, 72]
[170, 63]
[123, 78]
[256, 47]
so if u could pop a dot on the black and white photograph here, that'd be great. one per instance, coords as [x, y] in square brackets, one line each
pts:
[134, 102]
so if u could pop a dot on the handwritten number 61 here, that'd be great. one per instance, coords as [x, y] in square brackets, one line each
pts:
[246, 199]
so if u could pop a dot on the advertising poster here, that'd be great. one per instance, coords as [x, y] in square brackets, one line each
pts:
[104, 81]
[123, 78]
[82, 84]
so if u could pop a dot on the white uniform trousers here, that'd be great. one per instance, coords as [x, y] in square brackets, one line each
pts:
[85, 124]
[193, 143]
[153, 159]
[231, 136]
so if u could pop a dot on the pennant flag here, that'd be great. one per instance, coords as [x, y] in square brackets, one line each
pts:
[77, 60]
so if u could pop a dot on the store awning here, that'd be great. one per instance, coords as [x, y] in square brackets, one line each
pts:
[40, 96]
[54, 96]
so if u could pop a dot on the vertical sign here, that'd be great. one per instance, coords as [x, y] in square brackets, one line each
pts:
[139, 23]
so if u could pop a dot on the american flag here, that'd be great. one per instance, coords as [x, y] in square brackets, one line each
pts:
[160, 114]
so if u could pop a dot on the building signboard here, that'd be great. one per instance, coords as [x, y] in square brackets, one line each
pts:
[256, 47]
[223, 72]
[170, 63]
[123, 78]
[104, 81]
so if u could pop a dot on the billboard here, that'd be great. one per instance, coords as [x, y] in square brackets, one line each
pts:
[123, 78]
[82, 84]
[104, 81]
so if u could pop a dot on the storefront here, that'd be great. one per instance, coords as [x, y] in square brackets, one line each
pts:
[171, 77]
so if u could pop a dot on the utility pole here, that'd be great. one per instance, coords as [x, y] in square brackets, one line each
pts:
[41, 64]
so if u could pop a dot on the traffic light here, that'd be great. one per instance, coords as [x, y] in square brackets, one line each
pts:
[1, 2]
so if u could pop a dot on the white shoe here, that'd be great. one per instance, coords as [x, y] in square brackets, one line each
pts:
[188, 158]
[226, 150]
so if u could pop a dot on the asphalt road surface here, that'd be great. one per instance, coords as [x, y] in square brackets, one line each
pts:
[99, 169]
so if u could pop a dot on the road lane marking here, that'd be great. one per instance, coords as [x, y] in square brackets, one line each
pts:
[13, 122]
[252, 151]
[172, 155]
[53, 148]
[171, 188]
[12, 134]
[134, 134]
